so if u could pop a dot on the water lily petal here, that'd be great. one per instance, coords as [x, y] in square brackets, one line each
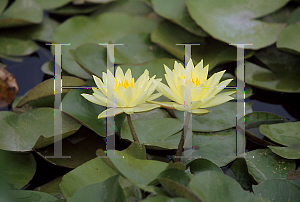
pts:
[110, 113]
[189, 67]
[99, 84]
[164, 89]
[127, 96]
[119, 74]
[104, 100]
[128, 110]
[120, 92]
[197, 93]
[200, 111]
[119, 102]
[217, 101]
[145, 107]
[138, 100]
[206, 100]
[182, 107]
[227, 93]
[203, 74]
[220, 87]
[104, 78]
[154, 96]
[168, 105]
[196, 104]
[172, 85]
[92, 99]
[128, 75]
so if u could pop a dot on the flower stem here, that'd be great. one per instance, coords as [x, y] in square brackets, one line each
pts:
[181, 143]
[134, 136]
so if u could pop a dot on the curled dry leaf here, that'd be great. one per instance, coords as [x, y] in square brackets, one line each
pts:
[8, 87]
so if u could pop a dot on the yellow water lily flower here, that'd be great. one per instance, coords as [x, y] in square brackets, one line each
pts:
[129, 96]
[204, 92]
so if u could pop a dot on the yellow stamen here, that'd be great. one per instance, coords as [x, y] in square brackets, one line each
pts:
[124, 83]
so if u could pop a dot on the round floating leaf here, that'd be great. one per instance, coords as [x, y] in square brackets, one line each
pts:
[138, 49]
[220, 117]
[139, 177]
[52, 188]
[200, 165]
[295, 16]
[48, 68]
[91, 172]
[277, 190]
[34, 128]
[31, 196]
[153, 131]
[177, 12]
[165, 199]
[280, 16]
[20, 13]
[71, 9]
[17, 168]
[46, 4]
[218, 147]
[266, 79]
[235, 22]
[289, 39]
[136, 150]
[176, 175]
[3, 4]
[108, 191]
[212, 52]
[45, 89]
[263, 164]
[212, 186]
[16, 46]
[101, 29]
[86, 112]
[83, 140]
[287, 134]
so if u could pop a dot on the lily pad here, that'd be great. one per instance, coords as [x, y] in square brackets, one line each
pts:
[165, 199]
[219, 118]
[235, 22]
[213, 52]
[153, 131]
[3, 4]
[266, 79]
[71, 9]
[215, 186]
[34, 128]
[277, 190]
[138, 49]
[48, 68]
[101, 29]
[52, 188]
[17, 169]
[52, 4]
[108, 191]
[295, 16]
[87, 112]
[263, 164]
[31, 196]
[288, 39]
[91, 172]
[287, 134]
[176, 175]
[218, 147]
[45, 89]
[16, 46]
[176, 11]
[200, 165]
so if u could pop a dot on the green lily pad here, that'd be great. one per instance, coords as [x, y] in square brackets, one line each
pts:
[176, 175]
[177, 12]
[295, 16]
[52, 188]
[45, 89]
[108, 191]
[71, 9]
[220, 117]
[138, 49]
[136, 150]
[281, 15]
[200, 165]
[218, 147]
[86, 112]
[295, 181]
[84, 140]
[213, 52]
[235, 22]
[16, 46]
[52, 4]
[288, 39]
[153, 131]
[48, 68]
[266, 79]
[17, 168]
[3, 4]
[31, 196]
[263, 164]
[91, 172]
[165, 199]
[34, 128]
[100, 29]
[277, 190]
[286, 134]
[20, 13]
[215, 186]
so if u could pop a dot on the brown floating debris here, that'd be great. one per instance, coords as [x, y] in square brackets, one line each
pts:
[8, 87]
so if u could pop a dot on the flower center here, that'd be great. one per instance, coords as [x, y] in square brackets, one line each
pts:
[124, 83]
[194, 79]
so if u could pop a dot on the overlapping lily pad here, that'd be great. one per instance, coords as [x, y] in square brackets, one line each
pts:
[71, 9]
[101, 29]
[165, 199]
[52, 188]
[215, 186]
[177, 12]
[20, 13]
[287, 134]
[235, 22]
[52, 4]
[219, 118]
[263, 164]
[212, 52]
[34, 128]
[31, 196]
[218, 147]
[17, 169]
[200, 165]
[289, 39]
